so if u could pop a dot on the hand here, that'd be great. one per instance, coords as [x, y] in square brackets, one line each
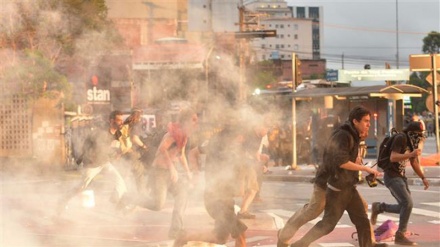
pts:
[375, 172]
[264, 157]
[416, 152]
[426, 183]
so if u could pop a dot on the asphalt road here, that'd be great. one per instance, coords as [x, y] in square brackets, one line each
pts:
[28, 216]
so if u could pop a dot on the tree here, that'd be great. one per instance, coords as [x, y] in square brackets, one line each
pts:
[418, 79]
[431, 43]
[51, 36]
[261, 74]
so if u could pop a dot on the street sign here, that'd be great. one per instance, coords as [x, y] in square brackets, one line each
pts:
[331, 75]
[429, 62]
[423, 62]
[430, 79]
[374, 75]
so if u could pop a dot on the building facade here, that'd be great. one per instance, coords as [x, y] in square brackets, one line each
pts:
[299, 30]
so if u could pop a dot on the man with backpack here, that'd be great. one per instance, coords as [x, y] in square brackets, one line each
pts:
[400, 149]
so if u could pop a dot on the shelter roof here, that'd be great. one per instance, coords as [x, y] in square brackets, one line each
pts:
[392, 92]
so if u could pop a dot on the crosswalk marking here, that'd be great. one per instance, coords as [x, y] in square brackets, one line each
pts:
[425, 212]
[279, 222]
[435, 204]
[280, 212]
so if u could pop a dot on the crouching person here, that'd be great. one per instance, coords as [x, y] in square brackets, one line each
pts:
[222, 153]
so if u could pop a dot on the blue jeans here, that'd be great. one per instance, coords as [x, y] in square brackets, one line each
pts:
[398, 187]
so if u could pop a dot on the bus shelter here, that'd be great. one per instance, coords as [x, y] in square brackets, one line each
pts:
[384, 101]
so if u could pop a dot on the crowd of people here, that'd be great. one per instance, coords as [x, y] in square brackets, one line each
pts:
[237, 156]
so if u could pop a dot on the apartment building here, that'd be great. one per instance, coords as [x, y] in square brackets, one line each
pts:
[299, 30]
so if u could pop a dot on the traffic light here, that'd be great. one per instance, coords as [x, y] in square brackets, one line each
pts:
[297, 71]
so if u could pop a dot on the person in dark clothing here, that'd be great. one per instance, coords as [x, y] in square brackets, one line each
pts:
[307, 213]
[339, 161]
[223, 154]
[404, 149]
[314, 208]
[101, 147]
[132, 131]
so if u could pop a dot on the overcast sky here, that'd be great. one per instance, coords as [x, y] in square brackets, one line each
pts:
[365, 30]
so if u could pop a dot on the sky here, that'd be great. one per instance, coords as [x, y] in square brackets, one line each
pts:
[359, 32]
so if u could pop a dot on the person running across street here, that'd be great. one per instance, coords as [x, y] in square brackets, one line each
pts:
[170, 172]
[101, 148]
[339, 160]
[223, 156]
[315, 207]
[404, 150]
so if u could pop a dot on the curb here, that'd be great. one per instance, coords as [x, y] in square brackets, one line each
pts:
[308, 178]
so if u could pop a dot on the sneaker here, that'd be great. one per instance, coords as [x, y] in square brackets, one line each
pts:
[380, 245]
[246, 215]
[402, 240]
[375, 210]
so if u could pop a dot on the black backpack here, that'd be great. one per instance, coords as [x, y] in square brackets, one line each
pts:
[383, 159]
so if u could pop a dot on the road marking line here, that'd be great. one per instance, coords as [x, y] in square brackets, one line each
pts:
[426, 212]
[280, 212]
[279, 222]
[435, 204]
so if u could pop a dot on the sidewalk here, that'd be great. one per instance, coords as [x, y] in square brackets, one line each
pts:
[306, 173]
[429, 159]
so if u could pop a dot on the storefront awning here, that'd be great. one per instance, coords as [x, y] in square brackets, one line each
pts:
[381, 91]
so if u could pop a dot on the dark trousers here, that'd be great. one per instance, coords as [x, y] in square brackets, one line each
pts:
[337, 202]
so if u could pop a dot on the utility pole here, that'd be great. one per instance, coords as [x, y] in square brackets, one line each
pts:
[242, 48]
[249, 29]
[342, 60]
[397, 34]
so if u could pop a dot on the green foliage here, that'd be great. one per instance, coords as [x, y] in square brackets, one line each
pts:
[263, 78]
[45, 36]
[262, 74]
[36, 77]
[418, 79]
[431, 43]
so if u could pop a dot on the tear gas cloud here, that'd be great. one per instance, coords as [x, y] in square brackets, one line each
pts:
[29, 192]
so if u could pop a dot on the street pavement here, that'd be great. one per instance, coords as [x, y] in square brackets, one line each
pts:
[28, 206]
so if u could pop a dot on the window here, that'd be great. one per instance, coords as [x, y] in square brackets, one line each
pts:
[301, 12]
[263, 46]
[295, 36]
[281, 25]
[295, 27]
[295, 47]
[314, 12]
